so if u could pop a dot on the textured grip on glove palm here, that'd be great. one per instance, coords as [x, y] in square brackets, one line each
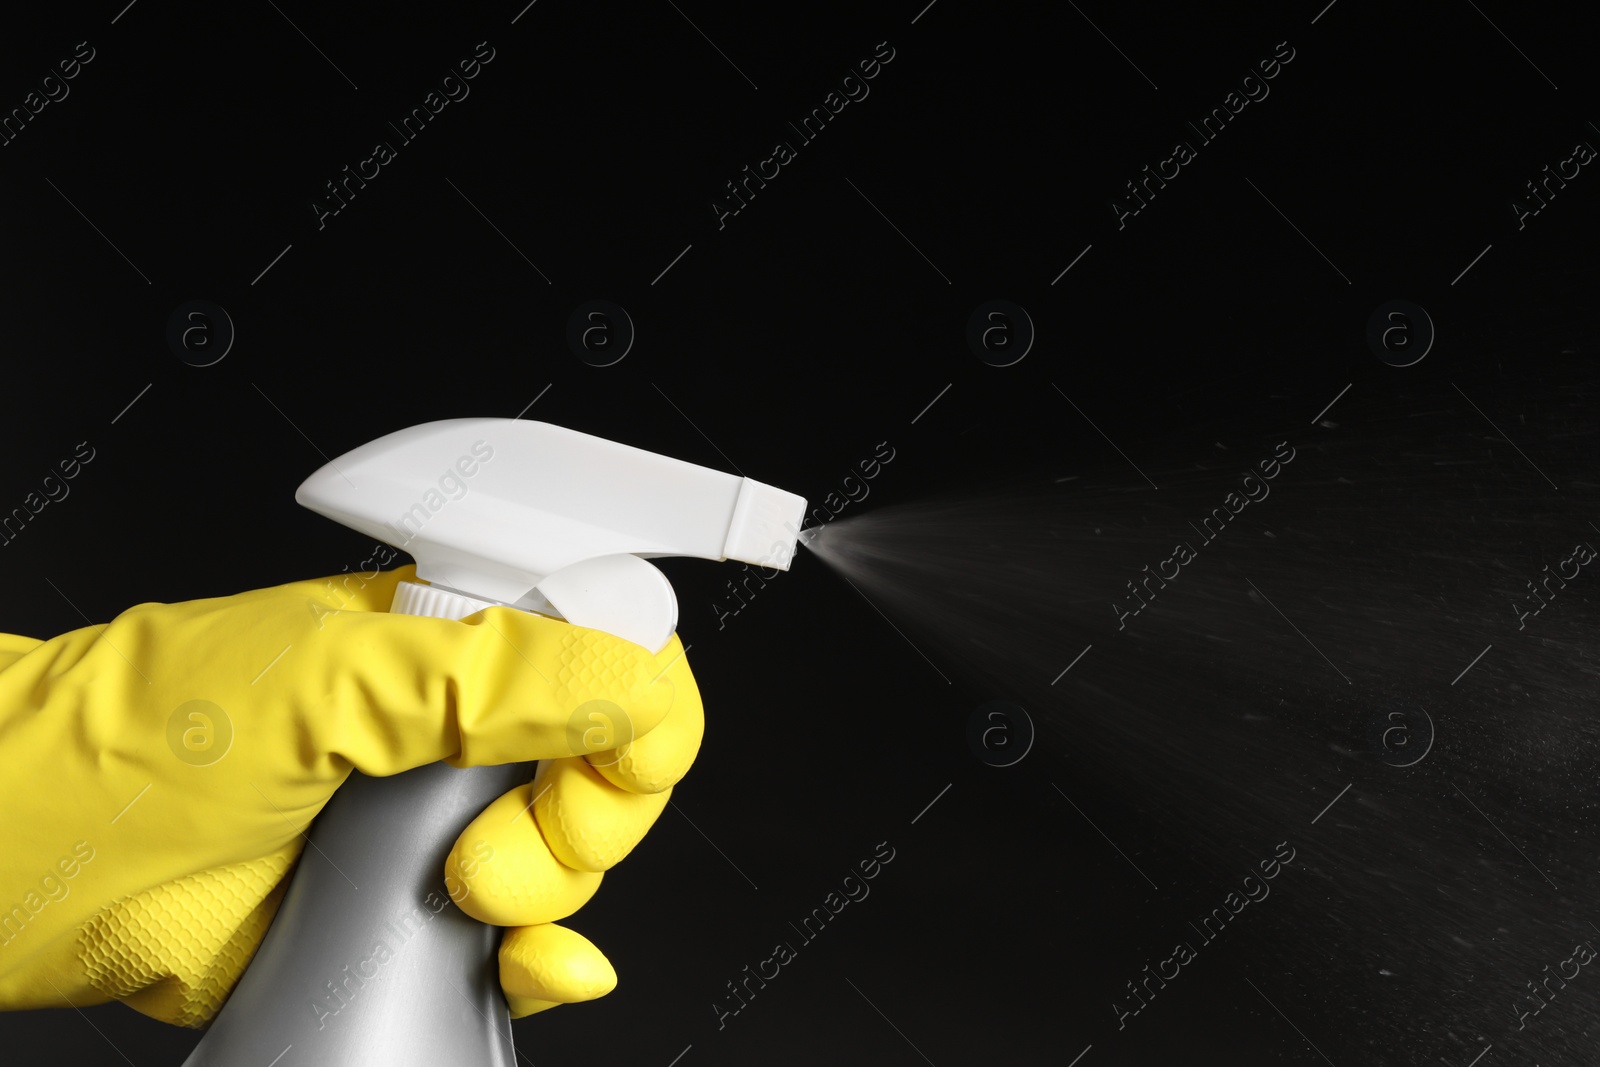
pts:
[175, 951]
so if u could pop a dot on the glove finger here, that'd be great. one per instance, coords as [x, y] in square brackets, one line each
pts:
[659, 759]
[522, 1007]
[546, 965]
[588, 823]
[386, 692]
[500, 870]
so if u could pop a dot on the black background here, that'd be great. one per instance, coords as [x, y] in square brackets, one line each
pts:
[823, 319]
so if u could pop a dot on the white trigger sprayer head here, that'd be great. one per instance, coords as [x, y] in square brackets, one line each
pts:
[539, 517]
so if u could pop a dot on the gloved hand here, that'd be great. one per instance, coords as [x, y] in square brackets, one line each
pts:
[146, 848]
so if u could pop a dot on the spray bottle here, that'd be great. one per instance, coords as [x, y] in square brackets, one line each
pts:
[367, 961]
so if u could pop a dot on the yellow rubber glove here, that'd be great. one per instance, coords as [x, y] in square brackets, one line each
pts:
[157, 774]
